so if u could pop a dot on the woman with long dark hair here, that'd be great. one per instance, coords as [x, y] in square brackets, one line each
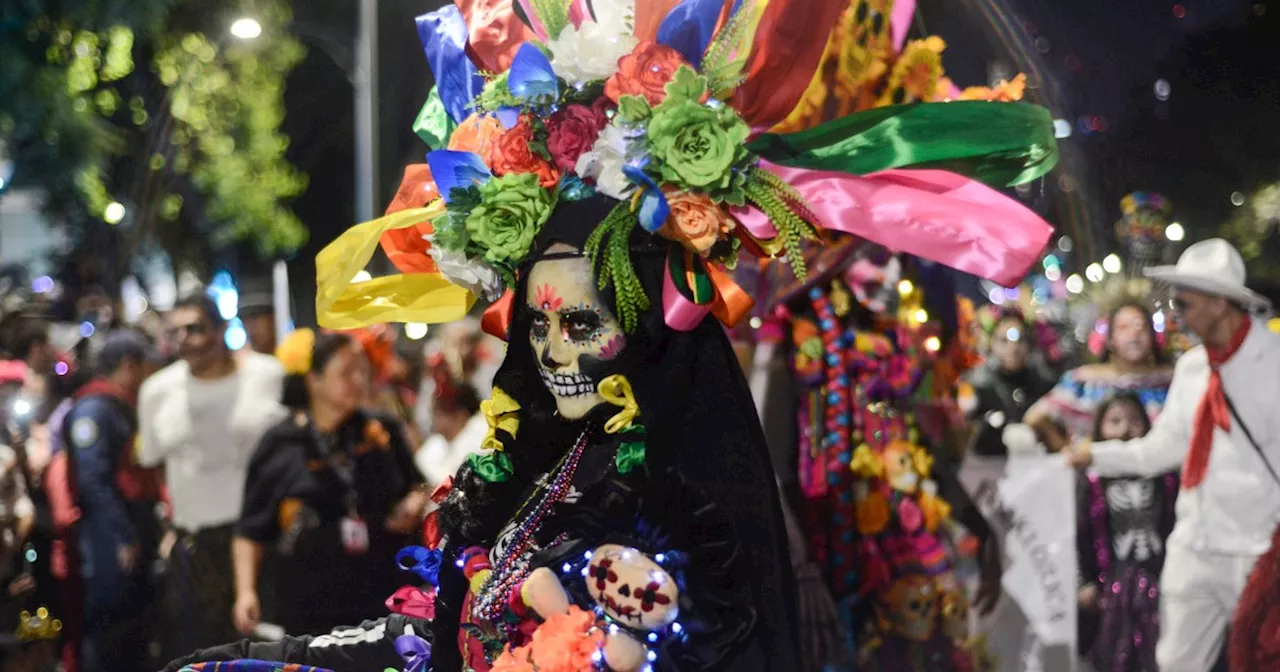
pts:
[1132, 361]
[331, 491]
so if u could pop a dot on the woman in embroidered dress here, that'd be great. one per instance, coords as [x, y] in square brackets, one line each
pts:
[1132, 361]
[1122, 525]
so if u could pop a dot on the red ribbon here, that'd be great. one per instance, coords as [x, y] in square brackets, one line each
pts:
[1213, 411]
[497, 318]
[406, 248]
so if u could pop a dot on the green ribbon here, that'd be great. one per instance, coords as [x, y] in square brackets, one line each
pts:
[701, 293]
[433, 124]
[631, 451]
[1000, 144]
[493, 467]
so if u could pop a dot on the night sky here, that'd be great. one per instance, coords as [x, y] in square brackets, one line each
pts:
[1096, 60]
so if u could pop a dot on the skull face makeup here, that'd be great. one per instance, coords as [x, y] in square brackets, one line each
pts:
[574, 336]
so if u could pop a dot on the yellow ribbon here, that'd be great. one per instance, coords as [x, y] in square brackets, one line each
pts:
[501, 413]
[415, 297]
[616, 389]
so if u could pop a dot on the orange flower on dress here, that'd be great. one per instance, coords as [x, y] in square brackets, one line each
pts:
[376, 435]
[872, 513]
[563, 643]
[696, 222]
[644, 72]
[475, 134]
[510, 153]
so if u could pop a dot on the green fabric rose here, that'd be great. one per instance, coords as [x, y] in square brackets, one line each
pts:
[695, 144]
[512, 210]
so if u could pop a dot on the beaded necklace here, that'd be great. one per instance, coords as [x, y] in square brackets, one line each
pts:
[512, 568]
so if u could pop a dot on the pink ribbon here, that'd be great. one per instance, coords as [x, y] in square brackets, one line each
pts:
[534, 21]
[679, 312]
[932, 214]
[900, 22]
[579, 12]
[413, 602]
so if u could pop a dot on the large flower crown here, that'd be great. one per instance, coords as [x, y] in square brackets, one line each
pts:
[656, 104]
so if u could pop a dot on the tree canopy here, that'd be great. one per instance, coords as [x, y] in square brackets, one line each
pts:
[154, 106]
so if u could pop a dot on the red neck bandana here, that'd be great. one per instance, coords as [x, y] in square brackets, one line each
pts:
[1212, 411]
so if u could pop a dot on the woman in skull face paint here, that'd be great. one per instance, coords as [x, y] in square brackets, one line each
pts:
[703, 446]
[699, 502]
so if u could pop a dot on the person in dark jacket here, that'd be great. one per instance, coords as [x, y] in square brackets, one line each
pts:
[117, 527]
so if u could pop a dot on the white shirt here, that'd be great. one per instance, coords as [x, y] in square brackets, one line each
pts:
[439, 458]
[205, 431]
[1236, 507]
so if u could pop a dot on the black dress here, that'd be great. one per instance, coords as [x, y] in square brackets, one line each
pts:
[300, 489]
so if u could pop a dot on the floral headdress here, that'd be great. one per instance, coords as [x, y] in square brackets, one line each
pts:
[663, 105]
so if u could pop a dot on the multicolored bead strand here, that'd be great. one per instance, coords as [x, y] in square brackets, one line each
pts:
[510, 570]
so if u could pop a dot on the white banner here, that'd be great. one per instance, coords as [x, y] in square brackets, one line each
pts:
[1030, 503]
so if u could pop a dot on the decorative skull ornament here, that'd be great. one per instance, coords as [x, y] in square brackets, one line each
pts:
[899, 467]
[632, 588]
[574, 336]
[911, 604]
[955, 616]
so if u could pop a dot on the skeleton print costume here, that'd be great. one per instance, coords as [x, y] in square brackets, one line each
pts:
[1122, 525]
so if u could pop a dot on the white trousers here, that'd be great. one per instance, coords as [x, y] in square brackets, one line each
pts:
[1198, 595]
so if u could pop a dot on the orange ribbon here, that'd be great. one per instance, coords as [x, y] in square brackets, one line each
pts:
[732, 303]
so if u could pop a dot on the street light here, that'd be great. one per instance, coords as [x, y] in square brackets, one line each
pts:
[1075, 284]
[1094, 272]
[246, 28]
[1174, 232]
[113, 213]
[1111, 264]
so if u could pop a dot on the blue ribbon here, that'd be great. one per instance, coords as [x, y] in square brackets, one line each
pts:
[444, 39]
[421, 561]
[689, 27]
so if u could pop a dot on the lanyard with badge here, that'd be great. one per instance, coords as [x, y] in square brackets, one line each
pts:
[354, 529]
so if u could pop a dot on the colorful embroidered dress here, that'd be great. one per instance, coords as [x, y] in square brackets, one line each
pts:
[1077, 395]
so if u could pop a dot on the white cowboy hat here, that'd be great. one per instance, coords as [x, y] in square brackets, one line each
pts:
[1211, 267]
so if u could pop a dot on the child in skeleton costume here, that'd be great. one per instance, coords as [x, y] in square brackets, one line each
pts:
[1122, 525]
[623, 514]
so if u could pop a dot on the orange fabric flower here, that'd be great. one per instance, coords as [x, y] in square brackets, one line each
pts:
[644, 72]
[696, 222]
[564, 643]
[510, 153]
[475, 134]
[872, 513]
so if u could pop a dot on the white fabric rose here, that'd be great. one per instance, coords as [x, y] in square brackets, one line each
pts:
[473, 275]
[590, 53]
[604, 163]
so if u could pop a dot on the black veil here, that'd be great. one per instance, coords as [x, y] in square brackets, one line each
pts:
[701, 421]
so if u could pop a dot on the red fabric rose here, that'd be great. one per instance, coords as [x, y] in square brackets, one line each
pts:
[510, 153]
[571, 131]
[644, 72]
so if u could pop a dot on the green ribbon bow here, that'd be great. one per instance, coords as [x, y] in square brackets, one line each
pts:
[1000, 144]
[493, 467]
[631, 451]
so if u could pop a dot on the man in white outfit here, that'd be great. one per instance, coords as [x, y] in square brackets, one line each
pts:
[1221, 427]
